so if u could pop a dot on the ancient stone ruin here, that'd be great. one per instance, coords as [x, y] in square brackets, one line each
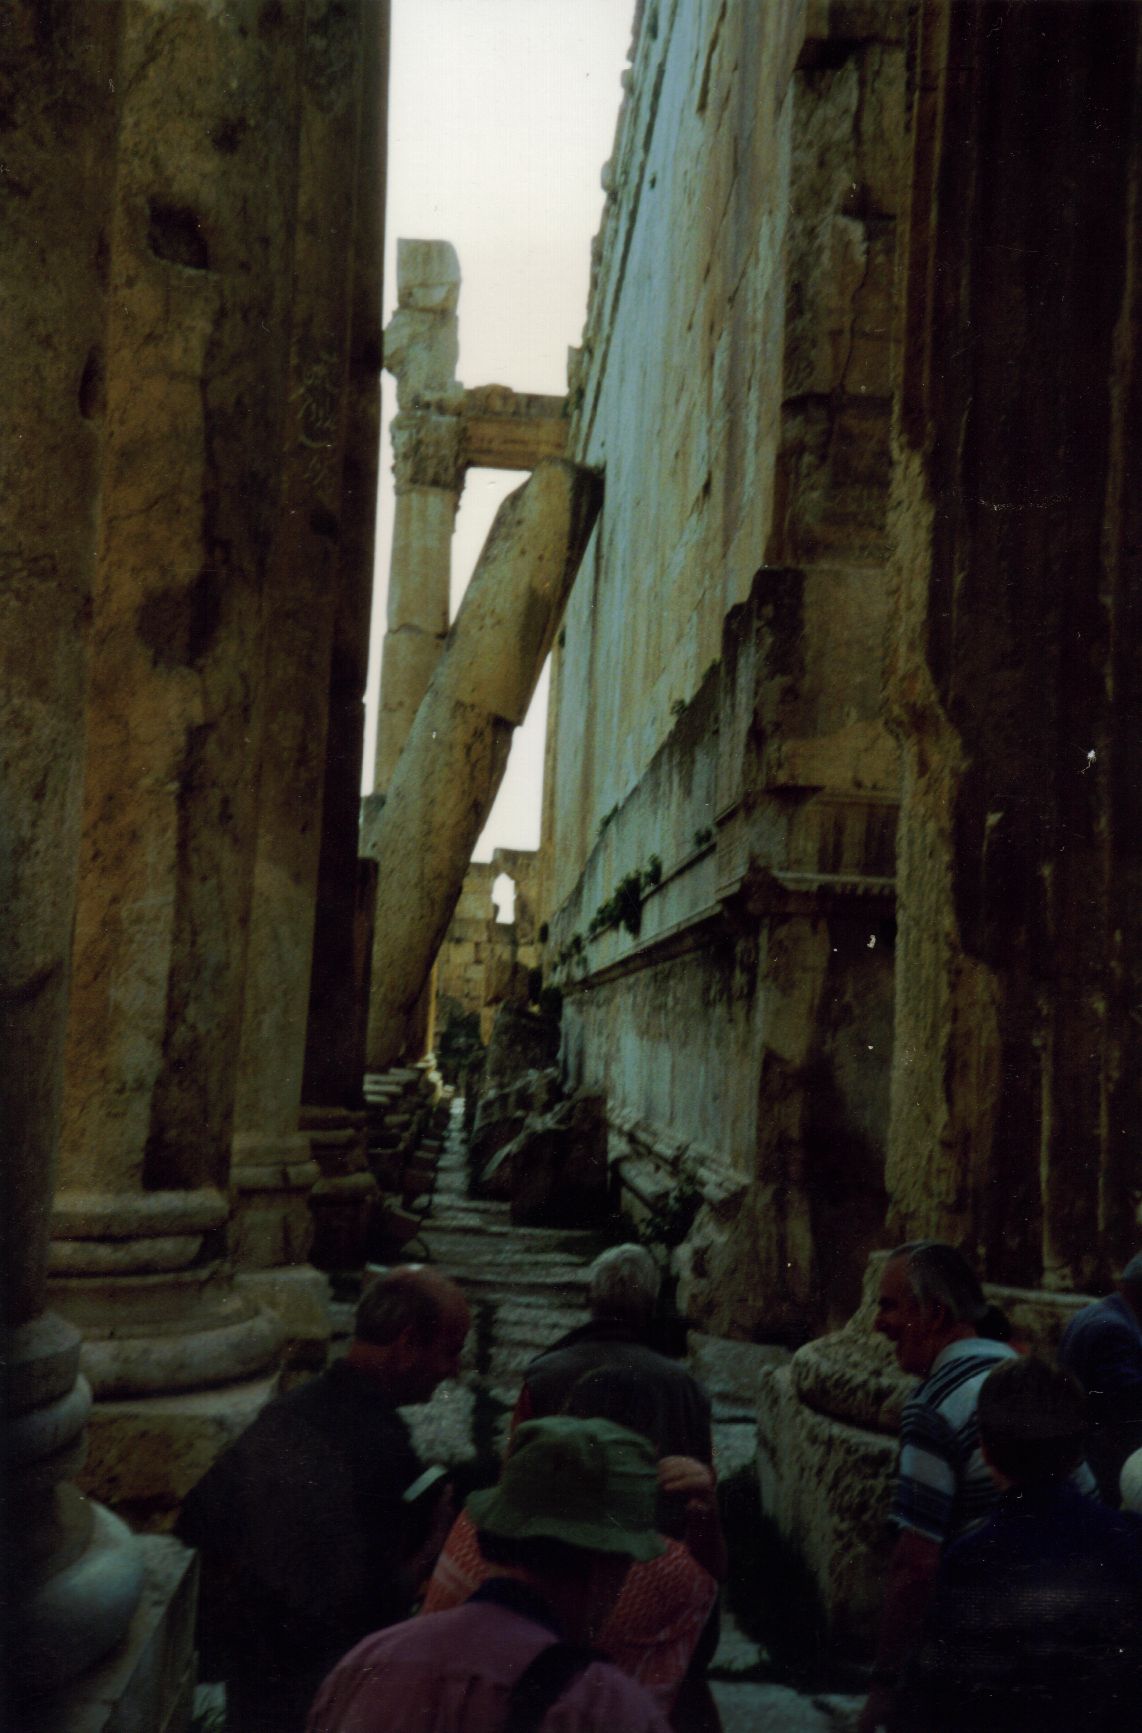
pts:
[833, 543]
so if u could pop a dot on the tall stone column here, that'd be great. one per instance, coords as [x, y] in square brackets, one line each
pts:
[72, 1573]
[200, 276]
[451, 768]
[273, 1171]
[1016, 1082]
[333, 1114]
[421, 350]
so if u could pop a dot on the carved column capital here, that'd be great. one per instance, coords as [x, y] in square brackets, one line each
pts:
[428, 451]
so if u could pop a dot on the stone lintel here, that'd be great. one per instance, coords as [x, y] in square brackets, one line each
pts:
[505, 429]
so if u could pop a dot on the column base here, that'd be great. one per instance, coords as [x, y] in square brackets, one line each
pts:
[346, 1195]
[144, 1453]
[148, 1681]
[300, 1298]
[147, 1335]
[272, 1177]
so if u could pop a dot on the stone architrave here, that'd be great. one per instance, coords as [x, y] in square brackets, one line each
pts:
[454, 759]
[199, 263]
[273, 1171]
[73, 1570]
[1016, 681]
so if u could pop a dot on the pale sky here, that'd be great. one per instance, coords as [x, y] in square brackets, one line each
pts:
[501, 116]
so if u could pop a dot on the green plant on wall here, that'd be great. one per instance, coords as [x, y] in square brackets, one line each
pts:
[674, 1217]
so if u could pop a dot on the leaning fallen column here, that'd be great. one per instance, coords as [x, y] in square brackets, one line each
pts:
[453, 761]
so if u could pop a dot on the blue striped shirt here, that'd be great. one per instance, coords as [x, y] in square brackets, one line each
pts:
[944, 1489]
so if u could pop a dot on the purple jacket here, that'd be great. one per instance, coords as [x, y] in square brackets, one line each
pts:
[453, 1673]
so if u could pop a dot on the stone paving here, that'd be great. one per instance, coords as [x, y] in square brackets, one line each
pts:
[526, 1287]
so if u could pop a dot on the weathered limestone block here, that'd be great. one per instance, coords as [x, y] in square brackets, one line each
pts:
[827, 1485]
[559, 1166]
[455, 756]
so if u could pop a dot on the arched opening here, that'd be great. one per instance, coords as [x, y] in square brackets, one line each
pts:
[503, 899]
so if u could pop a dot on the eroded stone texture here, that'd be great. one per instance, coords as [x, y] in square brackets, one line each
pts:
[273, 1172]
[455, 756]
[199, 261]
[1016, 506]
[74, 1570]
[719, 833]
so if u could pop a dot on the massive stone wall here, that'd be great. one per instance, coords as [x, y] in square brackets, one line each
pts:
[718, 761]
[857, 648]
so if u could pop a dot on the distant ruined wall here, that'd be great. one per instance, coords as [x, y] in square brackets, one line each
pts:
[718, 760]
[483, 957]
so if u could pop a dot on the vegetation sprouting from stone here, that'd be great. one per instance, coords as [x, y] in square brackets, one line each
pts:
[673, 1218]
[622, 909]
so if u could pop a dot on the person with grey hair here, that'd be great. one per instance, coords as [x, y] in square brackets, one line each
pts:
[307, 1541]
[622, 1292]
[624, 1282]
[1102, 1346]
[623, 1287]
[930, 1307]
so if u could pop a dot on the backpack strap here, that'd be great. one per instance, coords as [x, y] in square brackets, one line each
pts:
[543, 1681]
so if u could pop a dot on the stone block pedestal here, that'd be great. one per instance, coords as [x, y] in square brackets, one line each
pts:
[144, 1453]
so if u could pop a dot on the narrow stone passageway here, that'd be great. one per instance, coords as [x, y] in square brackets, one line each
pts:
[526, 1287]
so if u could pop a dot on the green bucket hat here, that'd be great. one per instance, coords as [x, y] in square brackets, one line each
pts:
[589, 1483]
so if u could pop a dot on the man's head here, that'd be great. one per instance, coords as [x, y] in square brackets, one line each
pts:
[410, 1328]
[1130, 1285]
[1032, 1422]
[623, 1284]
[574, 1505]
[929, 1296]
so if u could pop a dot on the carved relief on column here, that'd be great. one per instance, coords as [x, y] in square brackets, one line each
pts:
[199, 266]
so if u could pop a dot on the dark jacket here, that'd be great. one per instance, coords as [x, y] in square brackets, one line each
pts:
[1036, 1622]
[674, 1410]
[302, 1528]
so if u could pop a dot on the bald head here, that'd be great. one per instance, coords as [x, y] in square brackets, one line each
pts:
[410, 1328]
[407, 1297]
